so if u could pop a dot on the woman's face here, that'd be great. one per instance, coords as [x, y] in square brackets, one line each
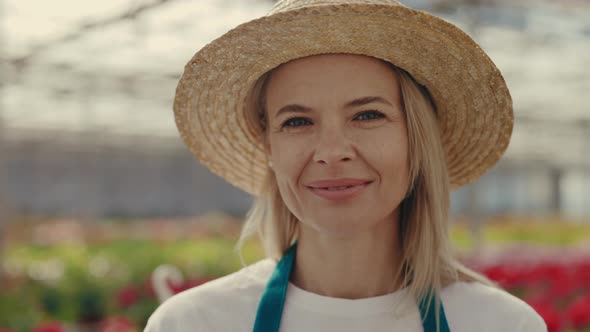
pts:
[338, 118]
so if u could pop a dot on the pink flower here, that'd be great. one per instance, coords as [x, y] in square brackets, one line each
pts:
[50, 326]
[117, 324]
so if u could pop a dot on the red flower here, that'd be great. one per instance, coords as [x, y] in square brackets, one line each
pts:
[550, 314]
[127, 296]
[508, 276]
[49, 327]
[148, 288]
[578, 314]
[188, 284]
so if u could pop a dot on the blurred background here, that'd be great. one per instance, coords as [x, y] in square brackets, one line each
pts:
[97, 189]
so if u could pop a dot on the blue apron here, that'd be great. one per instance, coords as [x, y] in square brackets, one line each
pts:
[270, 308]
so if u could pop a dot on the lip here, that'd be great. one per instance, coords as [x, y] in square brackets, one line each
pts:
[318, 188]
[337, 183]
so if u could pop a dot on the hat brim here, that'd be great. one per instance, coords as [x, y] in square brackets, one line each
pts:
[474, 107]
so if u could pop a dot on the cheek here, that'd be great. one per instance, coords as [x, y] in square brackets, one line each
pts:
[397, 171]
[387, 144]
[288, 157]
[388, 155]
[288, 160]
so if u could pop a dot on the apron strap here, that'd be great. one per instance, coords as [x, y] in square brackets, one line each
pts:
[270, 308]
[428, 315]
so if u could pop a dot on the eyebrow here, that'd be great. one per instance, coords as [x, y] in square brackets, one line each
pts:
[295, 108]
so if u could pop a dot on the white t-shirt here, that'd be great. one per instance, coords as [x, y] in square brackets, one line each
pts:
[230, 304]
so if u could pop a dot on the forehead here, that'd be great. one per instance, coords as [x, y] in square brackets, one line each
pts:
[331, 75]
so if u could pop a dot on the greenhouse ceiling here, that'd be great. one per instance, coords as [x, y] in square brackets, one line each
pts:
[112, 66]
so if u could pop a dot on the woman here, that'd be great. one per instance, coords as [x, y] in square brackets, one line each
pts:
[350, 121]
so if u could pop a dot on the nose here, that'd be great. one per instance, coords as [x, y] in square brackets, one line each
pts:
[333, 146]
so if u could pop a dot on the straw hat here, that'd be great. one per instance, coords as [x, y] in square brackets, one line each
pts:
[474, 107]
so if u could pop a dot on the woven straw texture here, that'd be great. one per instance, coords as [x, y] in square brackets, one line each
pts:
[474, 107]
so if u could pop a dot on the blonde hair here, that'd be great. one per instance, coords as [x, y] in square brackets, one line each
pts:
[428, 260]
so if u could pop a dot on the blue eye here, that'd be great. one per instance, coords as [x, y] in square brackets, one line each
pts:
[295, 122]
[370, 115]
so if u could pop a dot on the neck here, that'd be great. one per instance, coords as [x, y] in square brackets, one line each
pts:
[358, 266]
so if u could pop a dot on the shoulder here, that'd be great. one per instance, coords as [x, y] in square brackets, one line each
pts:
[476, 306]
[206, 307]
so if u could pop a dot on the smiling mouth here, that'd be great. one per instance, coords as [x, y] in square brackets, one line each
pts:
[337, 184]
[338, 188]
[340, 192]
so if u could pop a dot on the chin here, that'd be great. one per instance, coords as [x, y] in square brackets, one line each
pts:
[339, 224]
